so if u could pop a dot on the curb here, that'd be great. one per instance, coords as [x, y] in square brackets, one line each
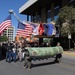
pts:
[69, 53]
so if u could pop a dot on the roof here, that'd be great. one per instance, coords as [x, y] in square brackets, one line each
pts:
[32, 6]
[27, 5]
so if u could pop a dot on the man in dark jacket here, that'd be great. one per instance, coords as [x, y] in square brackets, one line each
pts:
[9, 53]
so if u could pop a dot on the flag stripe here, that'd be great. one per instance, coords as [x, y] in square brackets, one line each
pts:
[5, 24]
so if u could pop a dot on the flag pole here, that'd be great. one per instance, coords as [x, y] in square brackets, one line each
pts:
[10, 11]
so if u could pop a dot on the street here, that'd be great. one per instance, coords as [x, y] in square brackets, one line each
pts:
[42, 67]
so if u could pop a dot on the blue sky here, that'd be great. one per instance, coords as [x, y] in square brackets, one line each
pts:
[5, 5]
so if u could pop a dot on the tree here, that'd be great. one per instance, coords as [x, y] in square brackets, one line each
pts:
[3, 38]
[66, 20]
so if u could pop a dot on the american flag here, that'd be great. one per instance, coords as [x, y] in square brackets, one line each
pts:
[35, 28]
[24, 29]
[5, 24]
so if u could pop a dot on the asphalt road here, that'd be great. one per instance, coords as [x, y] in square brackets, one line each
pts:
[43, 67]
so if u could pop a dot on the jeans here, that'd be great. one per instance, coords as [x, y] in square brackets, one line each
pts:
[8, 56]
[14, 56]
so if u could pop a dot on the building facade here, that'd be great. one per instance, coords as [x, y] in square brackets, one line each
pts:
[44, 10]
[9, 32]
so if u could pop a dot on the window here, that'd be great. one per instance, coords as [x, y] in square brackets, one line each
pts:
[48, 16]
[56, 11]
[34, 19]
[57, 6]
[71, 2]
[38, 18]
[48, 12]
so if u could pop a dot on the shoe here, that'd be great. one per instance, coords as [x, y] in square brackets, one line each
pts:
[6, 60]
[24, 67]
[9, 61]
[20, 61]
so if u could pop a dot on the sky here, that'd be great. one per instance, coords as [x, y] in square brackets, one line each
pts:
[6, 5]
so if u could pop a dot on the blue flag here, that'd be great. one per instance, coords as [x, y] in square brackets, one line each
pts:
[8, 18]
[50, 29]
[21, 25]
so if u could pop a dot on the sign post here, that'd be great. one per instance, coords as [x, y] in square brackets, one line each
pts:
[69, 37]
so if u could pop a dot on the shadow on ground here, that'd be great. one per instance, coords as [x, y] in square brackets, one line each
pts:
[43, 64]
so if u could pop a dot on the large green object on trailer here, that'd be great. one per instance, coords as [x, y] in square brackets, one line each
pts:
[45, 51]
[38, 53]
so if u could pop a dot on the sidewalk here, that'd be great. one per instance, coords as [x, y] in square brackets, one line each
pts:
[71, 53]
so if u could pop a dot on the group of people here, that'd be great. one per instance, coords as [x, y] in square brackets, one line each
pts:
[17, 51]
[14, 52]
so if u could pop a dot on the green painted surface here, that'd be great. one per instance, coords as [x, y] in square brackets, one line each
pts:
[45, 51]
